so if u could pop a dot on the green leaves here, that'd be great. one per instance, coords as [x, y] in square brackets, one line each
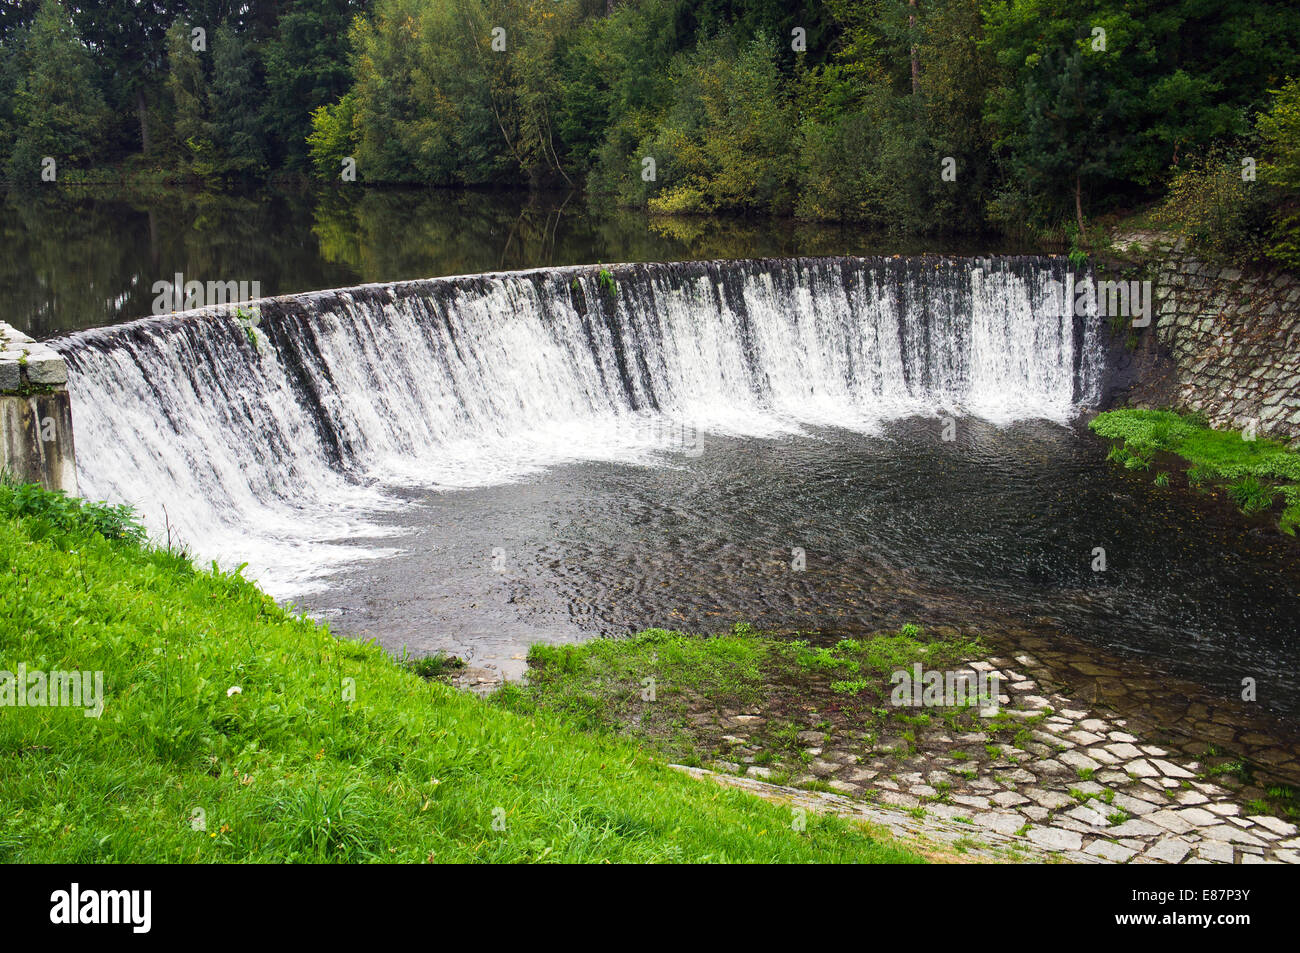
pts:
[58, 111]
[1248, 469]
[57, 511]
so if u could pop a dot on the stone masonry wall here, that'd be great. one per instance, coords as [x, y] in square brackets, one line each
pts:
[36, 444]
[1233, 339]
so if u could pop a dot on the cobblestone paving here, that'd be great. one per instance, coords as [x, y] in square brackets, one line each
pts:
[1081, 787]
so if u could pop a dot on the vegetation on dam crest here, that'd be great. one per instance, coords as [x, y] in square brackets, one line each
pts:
[234, 730]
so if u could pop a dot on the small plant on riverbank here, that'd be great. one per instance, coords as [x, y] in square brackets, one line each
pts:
[1251, 495]
[1291, 511]
[439, 665]
[49, 513]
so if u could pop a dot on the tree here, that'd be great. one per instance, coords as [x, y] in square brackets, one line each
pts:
[333, 136]
[234, 102]
[1163, 77]
[445, 93]
[216, 113]
[16, 15]
[1279, 128]
[186, 87]
[57, 109]
[12, 61]
[725, 141]
[127, 38]
[1067, 133]
[307, 67]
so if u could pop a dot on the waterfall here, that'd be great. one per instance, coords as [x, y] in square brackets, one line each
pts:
[280, 449]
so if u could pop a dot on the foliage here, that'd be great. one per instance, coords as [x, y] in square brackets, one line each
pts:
[437, 665]
[724, 141]
[333, 136]
[1253, 471]
[1218, 210]
[1279, 128]
[49, 513]
[217, 131]
[56, 110]
[605, 278]
[947, 115]
[1251, 495]
[1082, 128]
[307, 69]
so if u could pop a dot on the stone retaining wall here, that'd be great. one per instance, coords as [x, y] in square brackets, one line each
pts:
[1232, 340]
[36, 443]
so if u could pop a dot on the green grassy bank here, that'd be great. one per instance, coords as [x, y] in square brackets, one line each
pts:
[233, 730]
[1257, 474]
[683, 695]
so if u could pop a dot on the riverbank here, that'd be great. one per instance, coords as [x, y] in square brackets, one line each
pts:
[1259, 475]
[230, 729]
[1044, 772]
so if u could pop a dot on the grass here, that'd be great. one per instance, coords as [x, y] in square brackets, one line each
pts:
[236, 731]
[650, 685]
[745, 697]
[1251, 495]
[438, 665]
[1254, 473]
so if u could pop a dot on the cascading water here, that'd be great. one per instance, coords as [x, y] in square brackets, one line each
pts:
[276, 453]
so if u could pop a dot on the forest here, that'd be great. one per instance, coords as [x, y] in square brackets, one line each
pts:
[914, 116]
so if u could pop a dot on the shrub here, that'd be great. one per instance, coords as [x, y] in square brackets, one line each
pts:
[1215, 209]
[66, 513]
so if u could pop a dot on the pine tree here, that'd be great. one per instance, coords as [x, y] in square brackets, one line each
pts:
[58, 111]
[235, 103]
[128, 39]
[187, 91]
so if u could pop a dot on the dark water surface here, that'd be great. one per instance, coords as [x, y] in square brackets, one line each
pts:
[81, 257]
[1000, 524]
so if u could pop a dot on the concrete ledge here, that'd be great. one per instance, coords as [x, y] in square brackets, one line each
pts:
[36, 443]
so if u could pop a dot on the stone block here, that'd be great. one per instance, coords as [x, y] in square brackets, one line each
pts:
[47, 370]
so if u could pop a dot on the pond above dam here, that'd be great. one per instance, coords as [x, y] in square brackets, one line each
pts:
[88, 256]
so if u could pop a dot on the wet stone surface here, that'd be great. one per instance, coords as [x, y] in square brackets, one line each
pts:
[1078, 783]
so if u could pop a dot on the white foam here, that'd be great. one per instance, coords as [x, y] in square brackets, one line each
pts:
[487, 381]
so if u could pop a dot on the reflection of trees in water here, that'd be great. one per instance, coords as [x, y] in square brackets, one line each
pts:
[386, 235]
[67, 257]
[76, 258]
